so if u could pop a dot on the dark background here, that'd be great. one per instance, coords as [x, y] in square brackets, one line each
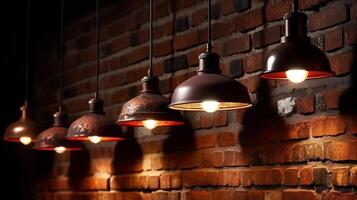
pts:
[20, 166]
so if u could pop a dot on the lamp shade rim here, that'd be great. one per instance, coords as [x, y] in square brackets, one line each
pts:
[54, 148]
[193, 106]
[103, 138]
[281, 75]
[160, 123]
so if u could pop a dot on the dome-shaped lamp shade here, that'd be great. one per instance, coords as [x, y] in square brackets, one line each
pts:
[296, 58]
[54, 138]
[149, 106]
[192, 94]
[94, 126]
[24, 130]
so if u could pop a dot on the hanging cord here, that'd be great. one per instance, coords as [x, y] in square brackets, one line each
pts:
[209, 42]
[98, 57]
[27, 53]
[61, 59]
[295, 5]
[151, 39]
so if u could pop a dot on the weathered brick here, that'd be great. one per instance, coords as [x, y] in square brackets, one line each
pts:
[340, 176]
[334, 195]
[333, 40]
[340, 150]
[342, 63]
[291, 176]
[268, 177]
[328, 17]
[276, 9]
[266, 37]
[327, 125]
[305, 104]
[306, 176]
[350, 34]
[236, 45]
[225, 139]
[332, 97]
[299, 195]
[249, 20]
[254, 62]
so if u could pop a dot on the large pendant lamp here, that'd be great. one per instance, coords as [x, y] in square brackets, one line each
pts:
[296, 59]
[150, 108]
[95, 126]
[54, 138]
[25, 129]
[209, 90]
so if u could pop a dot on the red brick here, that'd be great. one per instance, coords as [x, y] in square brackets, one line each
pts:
[185, 40]
[267, 177]
[236, 45]
[305, 104]
[247, 180]
[193, 54]
[227, 6]
[205, 140]
[152, 146]
[170, 181]
[328, 17]
[207, 120]
[327, 125]
[252, 83]
[226, 139]
[353, 177]
[221, 194]
[299, 195]
[134, 56]
[249, 20]
[300, 130]
[196, 195]
[222, 28]
[342, 63]
[199, 17]
[332, 97]
[229, 178]
[240, 195]
[212, 159]
[275, 10]
[256, 195]
[236, 158]
[266, 37]
[254, 62]
[221, 118]
[340, 176]
[350, 34]
[333, 40]
[339, 150]
[306, 4]
[200, 178]
[334, 195]
[291, 176]
[163, 48]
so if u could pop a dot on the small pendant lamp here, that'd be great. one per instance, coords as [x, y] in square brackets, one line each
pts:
[95, 126]
[150, 108]
[25, 129]
[209, 90]
[296, 59]
[53, 139]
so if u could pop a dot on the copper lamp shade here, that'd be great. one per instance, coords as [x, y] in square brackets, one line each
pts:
[149, 105]
[23, 128]
[94, 123]
[296, 52]
[55, 137]
[210, 85]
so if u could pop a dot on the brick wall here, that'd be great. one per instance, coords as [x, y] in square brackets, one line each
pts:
[297, 142]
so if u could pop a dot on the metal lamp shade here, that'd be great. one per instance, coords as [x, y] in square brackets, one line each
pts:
[210, 86]
[24, 127]
[149, 105]
[95, 123]
[293, 55]
[295, 52]
[55, 136]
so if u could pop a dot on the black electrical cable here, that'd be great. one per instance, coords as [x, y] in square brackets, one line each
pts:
[27, 52]
[97, 46]
[295, 5]
[209, 42]
[151, 39]
[61, 58]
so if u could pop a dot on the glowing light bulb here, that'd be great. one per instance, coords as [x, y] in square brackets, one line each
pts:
[25, 140]
[296, 75]
[60, 149]
[150, 124]
[94, 139]
[210, 106]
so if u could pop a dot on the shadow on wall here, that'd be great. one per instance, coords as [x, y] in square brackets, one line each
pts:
[128, 156]
[348, 99]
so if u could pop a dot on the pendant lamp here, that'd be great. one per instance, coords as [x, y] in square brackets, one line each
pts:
[149, 109]
[95, 126]
[296, 59]
[25, 129]
[54, 138]
[209, 90]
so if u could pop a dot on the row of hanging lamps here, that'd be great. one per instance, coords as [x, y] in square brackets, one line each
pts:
[209, 90]
[25, 129]
[54, 138]
[95, 126]
[296, 59]
[149, 109]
